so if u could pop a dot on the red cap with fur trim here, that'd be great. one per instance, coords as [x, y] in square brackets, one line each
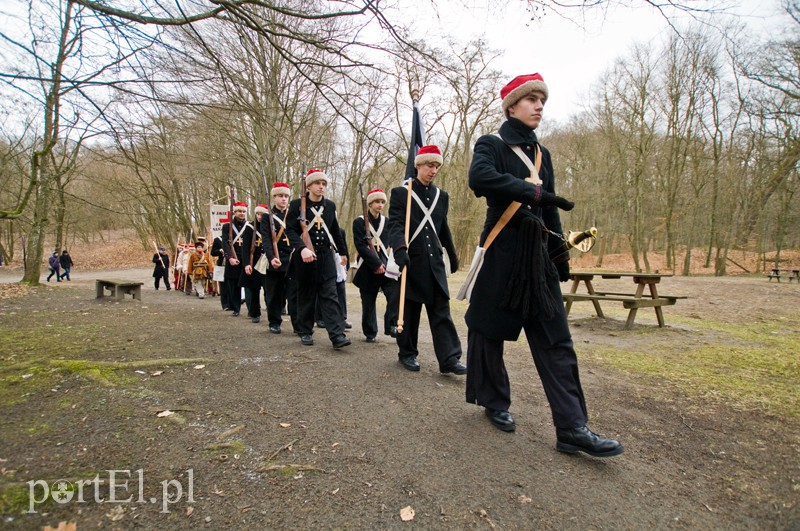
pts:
[374, 195]
[280, 188]
[521, 86]
[237, 206]
[262, 209]
[315, 175]
[428, 154]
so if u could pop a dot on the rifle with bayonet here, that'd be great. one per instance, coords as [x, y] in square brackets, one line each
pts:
[269, 213]
[302, 218]
[230, 192]
[365, 209]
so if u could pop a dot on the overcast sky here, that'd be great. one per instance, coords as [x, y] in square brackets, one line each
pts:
[569, 57]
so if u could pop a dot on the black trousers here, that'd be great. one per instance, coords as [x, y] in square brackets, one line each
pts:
[234, 294]
[557, 365]
[341, 294]
[223, 294]
[369, 313]
[446, 343]
[164, 275]
[277, 291]
[322, 292]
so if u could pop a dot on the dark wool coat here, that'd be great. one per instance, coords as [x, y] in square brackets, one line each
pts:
[365, 277]
[284, 245]
[498, 174]
[254, 279]
[158, 271]
[426, 273]
[234, 273]
[216, 250]
[323, 268]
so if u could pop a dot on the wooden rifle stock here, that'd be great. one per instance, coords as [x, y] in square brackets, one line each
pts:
[365, 209]
[303, 220]
[230, 193]
[269, 213]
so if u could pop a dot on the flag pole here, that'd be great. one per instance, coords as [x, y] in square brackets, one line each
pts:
[416, 141]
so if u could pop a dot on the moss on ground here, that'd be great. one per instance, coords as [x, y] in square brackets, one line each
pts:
[755, 366]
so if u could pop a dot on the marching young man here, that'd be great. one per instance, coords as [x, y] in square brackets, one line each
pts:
[370, 277]
[517, 288]
[422, 260]
[252, 280]
[233, 234]
[313, 262]
[278, 285]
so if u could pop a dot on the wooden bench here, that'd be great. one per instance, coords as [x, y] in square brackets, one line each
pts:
[793, 274]
[119, 288]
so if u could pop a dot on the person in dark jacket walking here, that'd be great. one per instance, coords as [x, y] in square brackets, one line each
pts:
[66, 263]
[314, 264]
[370, 277]
[517, 288]
[161, 267]
[219, 271]
[422, 259]
[55, 266]
[233, 237]
[279, 286]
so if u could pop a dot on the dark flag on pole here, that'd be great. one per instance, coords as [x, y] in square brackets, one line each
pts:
[417, 140]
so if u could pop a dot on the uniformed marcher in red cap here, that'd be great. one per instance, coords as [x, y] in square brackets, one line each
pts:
[370, 277]
[314, 268]
[279, 286]
[424, 254]
[233, 234]
[517, 287]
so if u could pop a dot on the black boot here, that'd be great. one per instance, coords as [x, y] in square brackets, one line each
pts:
[582, 439]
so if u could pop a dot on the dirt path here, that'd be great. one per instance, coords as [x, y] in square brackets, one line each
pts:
[277, 435]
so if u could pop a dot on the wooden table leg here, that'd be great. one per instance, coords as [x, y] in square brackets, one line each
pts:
[659, 311]
[596, 303]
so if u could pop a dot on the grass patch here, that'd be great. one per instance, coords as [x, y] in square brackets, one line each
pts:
[752, 366]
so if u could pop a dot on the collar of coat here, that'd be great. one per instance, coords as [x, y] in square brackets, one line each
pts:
[516, 133]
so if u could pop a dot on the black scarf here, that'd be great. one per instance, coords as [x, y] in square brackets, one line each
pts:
[527, 292]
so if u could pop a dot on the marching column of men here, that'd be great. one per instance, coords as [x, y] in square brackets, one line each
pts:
[304, 248]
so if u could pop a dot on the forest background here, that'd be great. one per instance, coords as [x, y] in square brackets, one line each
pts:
[687, 148]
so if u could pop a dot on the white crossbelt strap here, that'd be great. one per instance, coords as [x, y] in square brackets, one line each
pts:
[318, 218]
[426, 214]
[239, 233]
[534, 177]
[376, 235]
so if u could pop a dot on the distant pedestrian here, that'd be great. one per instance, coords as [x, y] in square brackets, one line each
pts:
[66, 263]
[55, 266]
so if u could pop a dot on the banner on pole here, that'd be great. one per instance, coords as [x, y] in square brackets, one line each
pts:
[219, 216]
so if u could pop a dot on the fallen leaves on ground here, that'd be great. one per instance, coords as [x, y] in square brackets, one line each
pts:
[407, 513]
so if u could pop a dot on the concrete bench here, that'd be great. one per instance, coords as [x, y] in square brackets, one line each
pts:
[118, 288]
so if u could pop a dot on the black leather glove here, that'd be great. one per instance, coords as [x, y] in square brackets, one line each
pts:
[548, 199]
[401, 258]
[563, 270]
[453, 263]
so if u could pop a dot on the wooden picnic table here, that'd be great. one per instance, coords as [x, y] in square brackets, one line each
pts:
[631, 301]
[793, 274]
